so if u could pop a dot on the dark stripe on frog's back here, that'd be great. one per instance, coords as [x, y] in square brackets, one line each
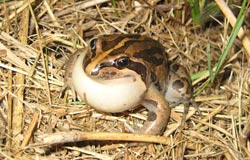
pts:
[146, 49]
[152, 56]
[110, 41]
[153, 52]
[139, 68]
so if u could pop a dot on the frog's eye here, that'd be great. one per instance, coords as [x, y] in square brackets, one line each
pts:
[122, 62]
[92, 45]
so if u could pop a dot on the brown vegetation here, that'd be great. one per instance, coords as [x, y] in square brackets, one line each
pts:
[36, 39]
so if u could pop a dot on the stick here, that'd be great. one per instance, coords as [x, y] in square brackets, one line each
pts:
[232, 19]
[76, 136]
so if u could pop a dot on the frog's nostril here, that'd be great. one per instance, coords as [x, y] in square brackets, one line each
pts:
[95, 71]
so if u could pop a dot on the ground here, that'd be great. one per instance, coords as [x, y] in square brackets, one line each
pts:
[38, 37]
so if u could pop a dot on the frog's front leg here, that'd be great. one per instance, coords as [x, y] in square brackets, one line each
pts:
[68, 84]
[159, 112]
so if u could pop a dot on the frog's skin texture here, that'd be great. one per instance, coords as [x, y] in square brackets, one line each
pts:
[120, 72]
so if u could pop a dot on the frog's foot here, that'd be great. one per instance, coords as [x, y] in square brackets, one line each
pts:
[64, 89]
[186, 109]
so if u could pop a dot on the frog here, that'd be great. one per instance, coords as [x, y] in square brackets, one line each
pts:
[120, 72]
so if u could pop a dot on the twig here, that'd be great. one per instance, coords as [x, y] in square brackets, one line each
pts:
[52, 16]
[80, 6]
[6, 156]
[18, 107]
[96, 155]
[245, 133]
[42, 54]
[75, 136]
[30, 130]
[232, 19]
[3, 53]
[10, 110]
[19, 10]
[212, 114]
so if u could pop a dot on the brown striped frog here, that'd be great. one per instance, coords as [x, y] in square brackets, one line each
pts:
[120, 72]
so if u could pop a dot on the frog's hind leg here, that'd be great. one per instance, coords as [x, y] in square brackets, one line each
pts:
[159, 112]
[179, 89]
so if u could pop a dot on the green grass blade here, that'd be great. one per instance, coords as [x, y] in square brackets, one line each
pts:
[240, 19]
[211, 75]
[114, 5]
[229, 45]
[195, 12]
[209, 11]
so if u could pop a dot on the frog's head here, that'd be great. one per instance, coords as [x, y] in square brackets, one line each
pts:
[118, 56]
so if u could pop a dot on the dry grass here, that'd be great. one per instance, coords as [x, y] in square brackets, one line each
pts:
[36, 39]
